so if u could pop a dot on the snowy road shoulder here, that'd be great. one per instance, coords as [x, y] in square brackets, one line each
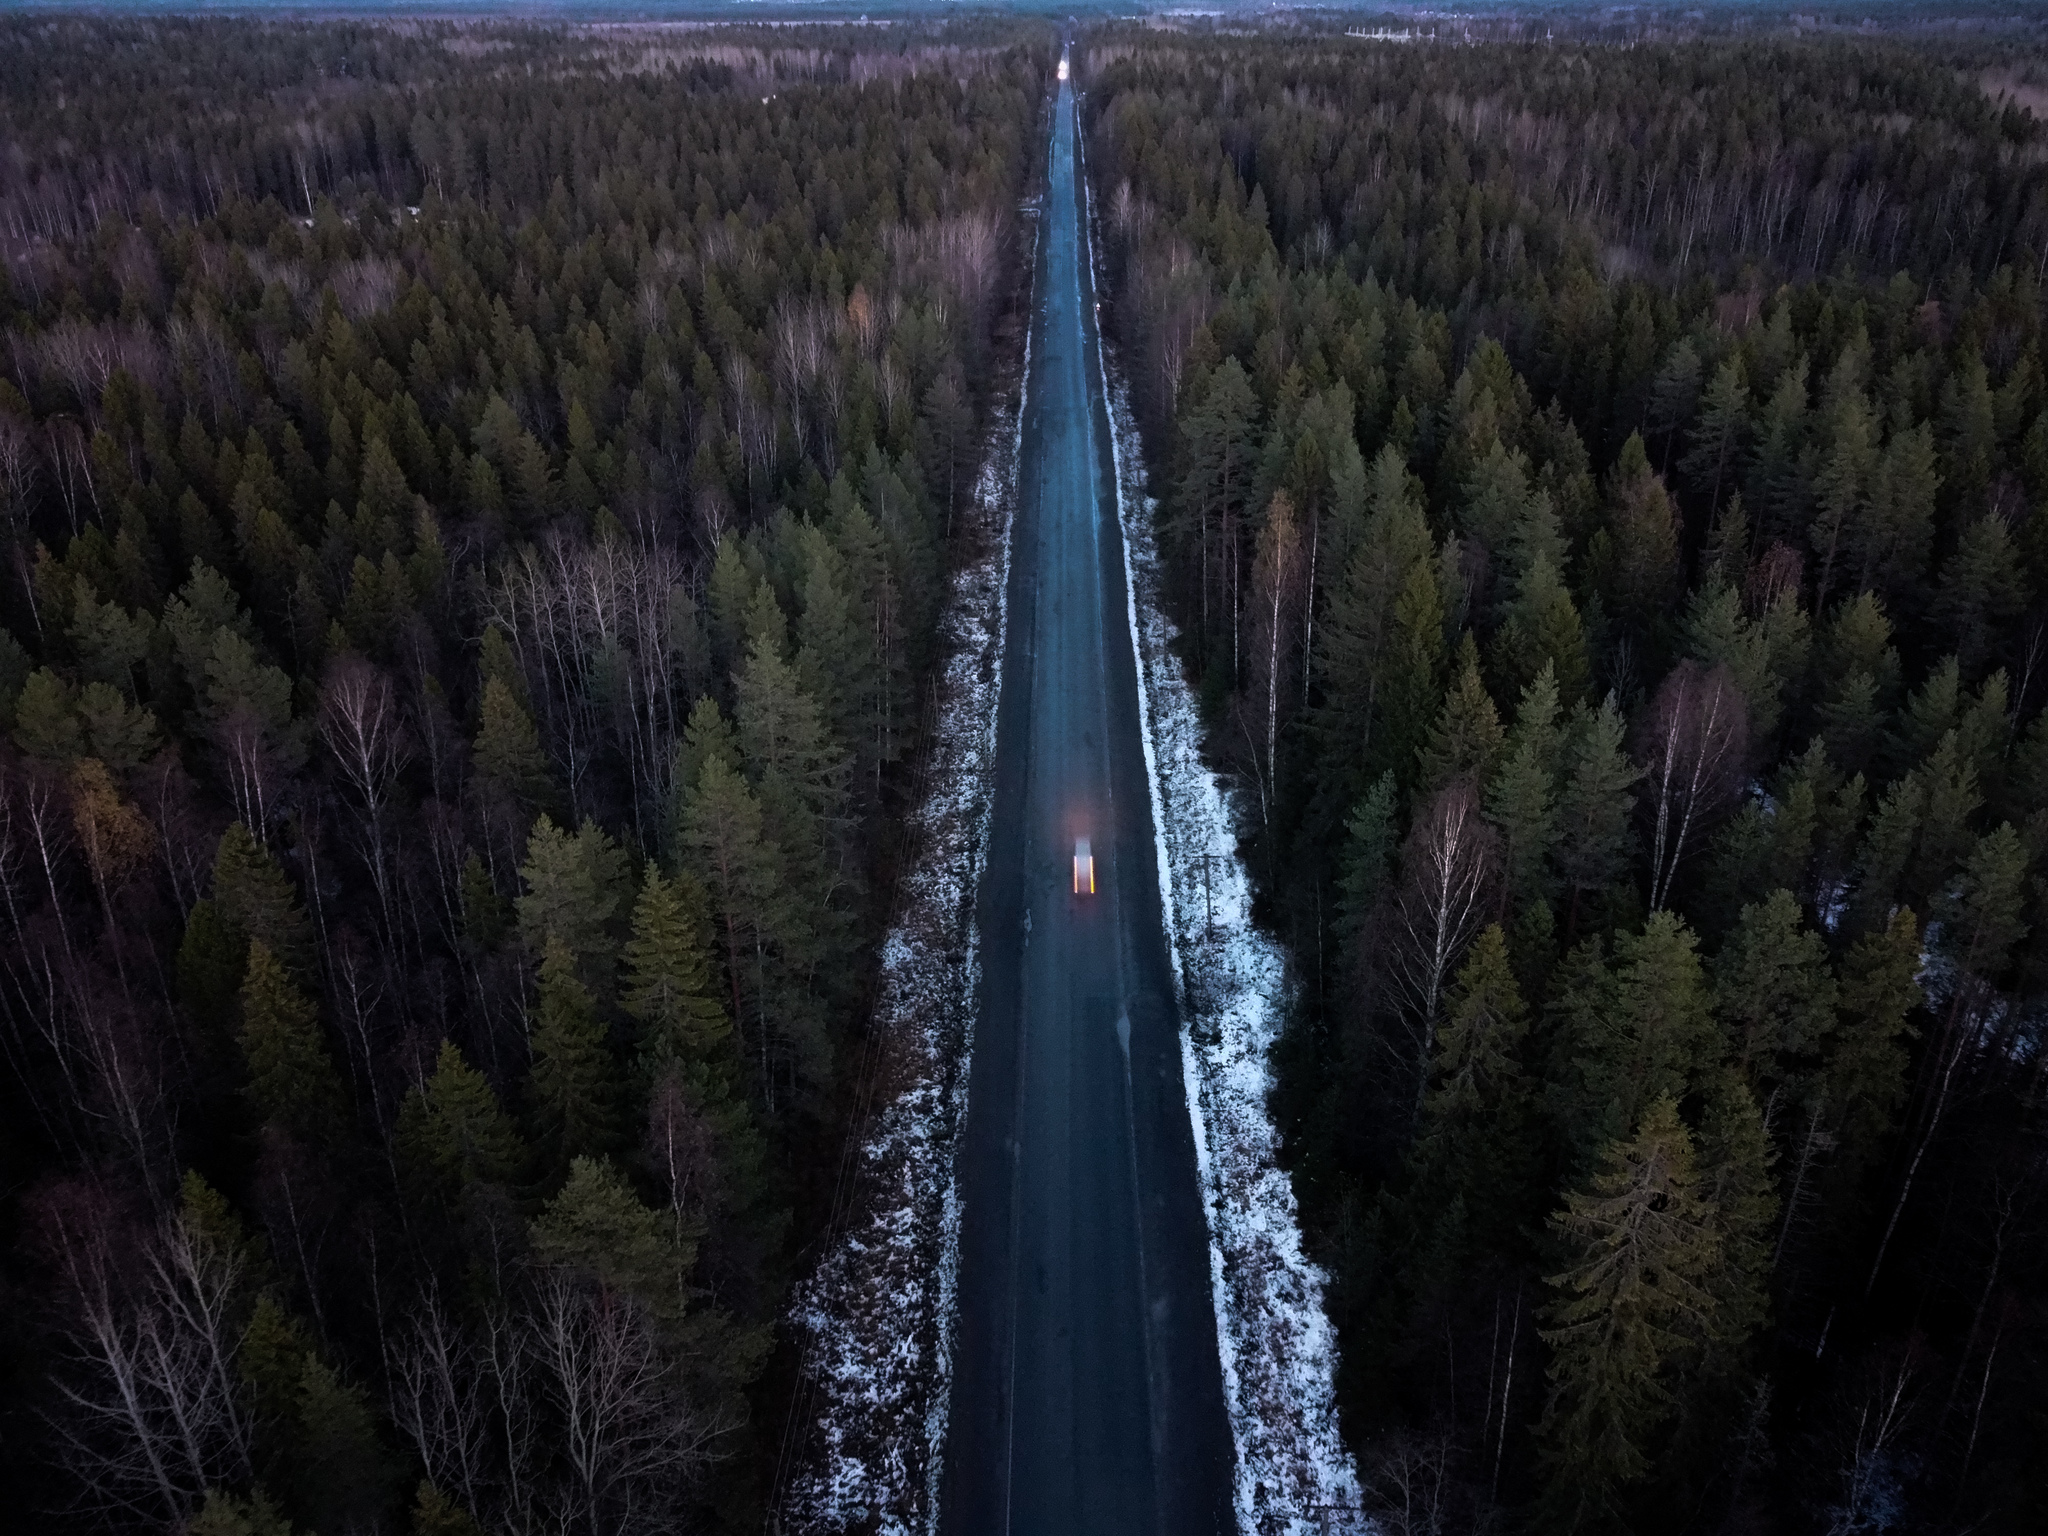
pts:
[1294, 1475]
[875, 1322]
[1278, 1348]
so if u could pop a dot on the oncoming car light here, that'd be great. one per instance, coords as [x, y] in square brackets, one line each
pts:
[1084, 868]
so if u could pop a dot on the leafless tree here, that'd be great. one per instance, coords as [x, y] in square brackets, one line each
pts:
[150, 1412]
[360, 722]
[627, 1436]
[442, 1400]
[594, 628]
[18, 471]
[70, 463]
[1877, 1416]
[1448, 867]
[1408, 1485]
[359, 1007]
[1279, 586]
[1692, 751]
[682, 1150]
[186, 838]
[255, 767]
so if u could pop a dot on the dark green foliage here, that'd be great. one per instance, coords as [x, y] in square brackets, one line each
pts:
[574, 1087]
[292, 1085]
[256, 902]
[1602, 426]
[451, 1132]
[1632, 1303]
[436, 424]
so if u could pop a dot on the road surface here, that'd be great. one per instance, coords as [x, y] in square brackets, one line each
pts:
[1087, 1394]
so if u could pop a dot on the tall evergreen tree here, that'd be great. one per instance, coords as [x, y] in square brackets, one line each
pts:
[292, 1084]
[1632, 1300]
[574, 1085]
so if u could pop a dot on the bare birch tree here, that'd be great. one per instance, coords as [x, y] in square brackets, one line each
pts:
[1692, 752]
[1448, 869]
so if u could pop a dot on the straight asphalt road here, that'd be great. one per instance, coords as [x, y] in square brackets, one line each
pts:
[1087, 1394]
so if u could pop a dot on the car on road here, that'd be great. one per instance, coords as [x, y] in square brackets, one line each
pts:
[1084, 868]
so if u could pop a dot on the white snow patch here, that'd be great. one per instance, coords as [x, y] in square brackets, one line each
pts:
[875, 1321]
[1294, 1476]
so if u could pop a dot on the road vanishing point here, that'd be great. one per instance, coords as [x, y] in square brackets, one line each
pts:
[1087, 1392]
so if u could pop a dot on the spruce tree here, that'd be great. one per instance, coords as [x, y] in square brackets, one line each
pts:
[1718, 442]
[1594, 805]
[1773, 991]
[508, 753]
[669, 986]
[574, 888]
[1466, 736]
[1522, 801]
[1647, 1031]
[452, 1131]
[1864, 1067]
[1543, 630]
[1372, 838]
[597, 1225]
[1736, 1161]
[292, 1083]
[435, 1514]
[1476, 1143]
[574, 1084]
[1633, 1298]
[257, 902]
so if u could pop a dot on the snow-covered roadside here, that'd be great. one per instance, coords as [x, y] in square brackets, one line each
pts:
[875, 1321]
[1294, 1475]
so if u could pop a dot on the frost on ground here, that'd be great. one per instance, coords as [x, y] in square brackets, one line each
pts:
[1279, 1352]
[1294, 1474]
[875, 1322]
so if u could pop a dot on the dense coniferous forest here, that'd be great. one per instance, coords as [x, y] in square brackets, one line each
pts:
[1606, 499]
[475, 504]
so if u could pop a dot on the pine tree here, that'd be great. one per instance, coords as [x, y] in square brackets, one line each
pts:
[1643, 1031]
[292, 1084]
[508, 752]
[668, 988]
[574, 1085]
[256, 901]
[1594, 805]
[452, 1132]
[1773, 990]
[45, 723]
[1466, 737]
[1632, 1299]
[596, 1225]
